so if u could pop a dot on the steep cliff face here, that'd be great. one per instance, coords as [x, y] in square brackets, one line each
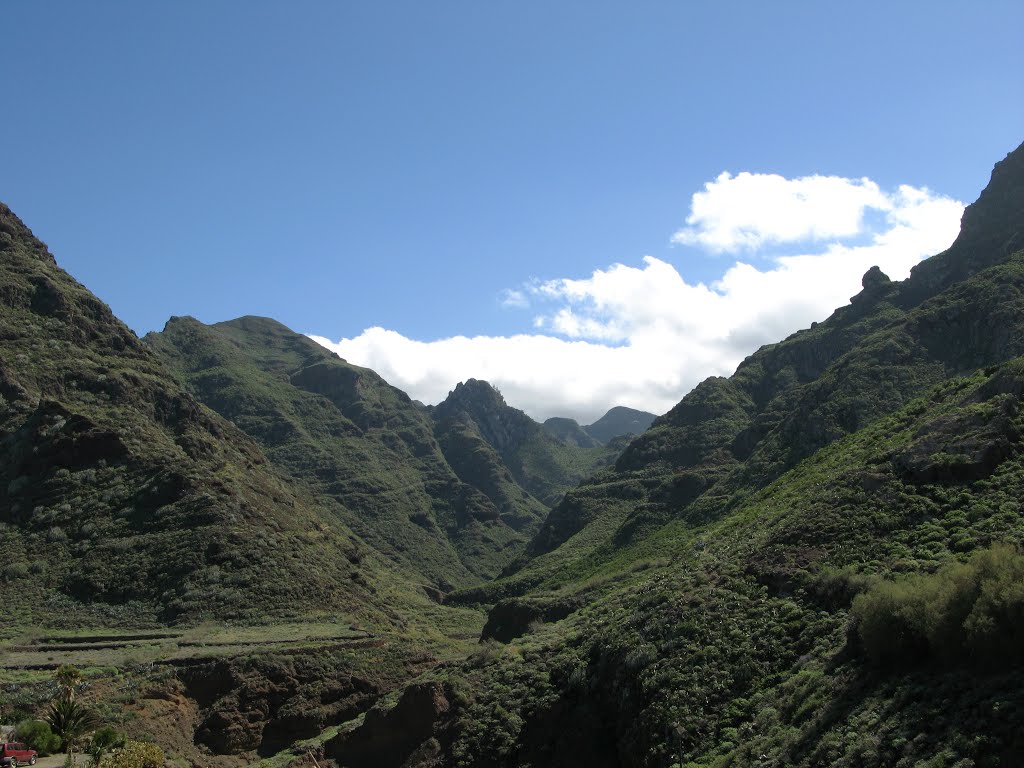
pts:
[990, 231]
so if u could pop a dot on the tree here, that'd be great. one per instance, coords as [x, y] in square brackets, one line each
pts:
[38, 736]
[68, 680]
[71, 721]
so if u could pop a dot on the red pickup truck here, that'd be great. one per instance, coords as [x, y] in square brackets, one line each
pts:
[14, 753]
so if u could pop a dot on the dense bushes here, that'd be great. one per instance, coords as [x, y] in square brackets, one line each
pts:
[969, 612]
[136, 754]
[38, 735]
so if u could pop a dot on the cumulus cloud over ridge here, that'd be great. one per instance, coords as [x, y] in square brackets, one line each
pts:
[643, 336]
[751, 209]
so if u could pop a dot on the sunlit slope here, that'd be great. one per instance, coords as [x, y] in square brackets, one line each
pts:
[363, 447]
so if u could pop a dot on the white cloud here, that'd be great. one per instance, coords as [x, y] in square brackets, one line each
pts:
[753, 209]
[643, 336]
[514, 299]
[541, 374]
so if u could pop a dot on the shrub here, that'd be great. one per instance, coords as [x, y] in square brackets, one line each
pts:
[135, 754]
[103, 740]
[962, 611]
[38, 735]
[15, 571]
[489, 651]
[836, 588]
[108, 737]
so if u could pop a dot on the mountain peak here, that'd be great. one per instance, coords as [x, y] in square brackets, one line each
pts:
[476, 390]
[996, 219]
[476, 400]
[990, 230]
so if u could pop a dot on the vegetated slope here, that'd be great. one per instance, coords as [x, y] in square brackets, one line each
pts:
[691, 605]
[361, 445]
[620, 420]
[732, 641]
[958, 311]
[122, 499]
[544, 465]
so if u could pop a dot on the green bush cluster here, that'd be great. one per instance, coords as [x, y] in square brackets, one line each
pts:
[38, 735]
[964, 612]
[135, 754]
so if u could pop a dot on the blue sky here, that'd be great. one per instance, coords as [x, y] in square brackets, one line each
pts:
[345, 166]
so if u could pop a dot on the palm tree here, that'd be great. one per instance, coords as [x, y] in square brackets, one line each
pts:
[71, 721]
[68, 679]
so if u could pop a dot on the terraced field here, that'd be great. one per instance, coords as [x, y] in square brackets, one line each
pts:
[95, 650]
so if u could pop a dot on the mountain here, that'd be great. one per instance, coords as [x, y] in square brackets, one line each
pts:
[210, 476]
[893, 341]
[205, 573]
[620, 421]
[569, 431]
[365, 449]
[617, 422]
[543, 465]
[123, 499]
[453, 493]
[812, 562]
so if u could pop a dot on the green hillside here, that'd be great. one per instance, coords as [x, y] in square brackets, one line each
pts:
[732, 436]
[733, 639]
[361, 446]
[123, 500]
